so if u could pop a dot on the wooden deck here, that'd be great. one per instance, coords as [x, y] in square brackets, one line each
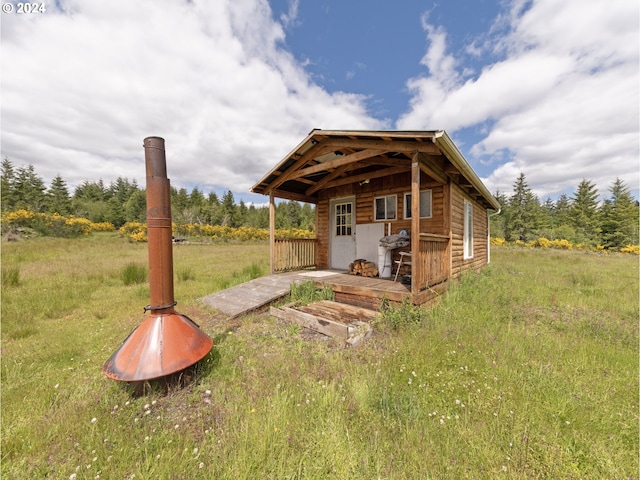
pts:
[261, 292]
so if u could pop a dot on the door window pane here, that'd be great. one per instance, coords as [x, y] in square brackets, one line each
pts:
[343, 218]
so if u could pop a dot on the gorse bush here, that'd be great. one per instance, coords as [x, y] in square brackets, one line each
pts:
[137, 232]
[561, 244]
[134, 231]
[633, 249]
[52, 224]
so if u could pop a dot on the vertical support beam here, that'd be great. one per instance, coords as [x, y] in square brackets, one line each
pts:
[488, 238]
[416, 264]
[272, 232]
[447, 211]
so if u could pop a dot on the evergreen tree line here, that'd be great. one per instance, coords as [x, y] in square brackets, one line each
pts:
[124, 201]
[580, 218]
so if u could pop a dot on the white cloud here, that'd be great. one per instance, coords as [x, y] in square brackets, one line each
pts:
[561, 104]
[290, 18]
[82, 88]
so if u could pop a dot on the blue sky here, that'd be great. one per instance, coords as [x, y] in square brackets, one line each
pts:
[542, 87]
[373, 50]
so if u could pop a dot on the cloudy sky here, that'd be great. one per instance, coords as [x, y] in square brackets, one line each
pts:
[544, 87]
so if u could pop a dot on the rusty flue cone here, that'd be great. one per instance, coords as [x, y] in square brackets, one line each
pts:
[166, 342]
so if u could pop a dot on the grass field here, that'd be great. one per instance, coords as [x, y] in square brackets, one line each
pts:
[528, 369]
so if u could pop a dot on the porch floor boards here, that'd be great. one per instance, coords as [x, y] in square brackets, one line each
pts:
[261, 292]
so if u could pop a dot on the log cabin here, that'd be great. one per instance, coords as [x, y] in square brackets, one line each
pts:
[407, 200]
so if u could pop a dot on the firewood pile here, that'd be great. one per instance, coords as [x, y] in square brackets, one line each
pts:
[363, 268]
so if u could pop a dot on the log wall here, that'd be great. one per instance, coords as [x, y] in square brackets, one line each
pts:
[440, 222]
[459, 264]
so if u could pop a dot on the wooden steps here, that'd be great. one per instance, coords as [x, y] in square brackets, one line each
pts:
[337, 320]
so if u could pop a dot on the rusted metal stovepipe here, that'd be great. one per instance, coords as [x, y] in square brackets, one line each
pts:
[159, 227]
[166, 342]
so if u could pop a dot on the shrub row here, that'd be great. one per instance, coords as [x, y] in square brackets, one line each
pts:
[561, 244]
[52, 224]
[137, 232]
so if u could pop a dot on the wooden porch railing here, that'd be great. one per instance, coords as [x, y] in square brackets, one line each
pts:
[431, 265]
[294, 254]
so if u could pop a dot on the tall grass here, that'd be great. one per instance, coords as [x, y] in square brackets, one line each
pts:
[528, 369]
[133, 273]
[10, 277]
[306, 292]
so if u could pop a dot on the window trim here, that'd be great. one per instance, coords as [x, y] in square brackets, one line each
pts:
[407, 211]
[386, 199]
[467, 235]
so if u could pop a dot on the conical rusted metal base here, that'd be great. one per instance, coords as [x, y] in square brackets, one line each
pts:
[161, 345]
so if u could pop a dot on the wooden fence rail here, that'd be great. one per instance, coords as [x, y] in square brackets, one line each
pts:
[294, 254]
[432, 262]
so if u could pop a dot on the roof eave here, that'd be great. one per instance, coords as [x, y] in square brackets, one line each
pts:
[454, 155]
[256, 188]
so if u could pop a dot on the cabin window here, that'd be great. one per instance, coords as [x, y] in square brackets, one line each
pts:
[343, 219]
[385, 207]
[468, 230]
[425, 204]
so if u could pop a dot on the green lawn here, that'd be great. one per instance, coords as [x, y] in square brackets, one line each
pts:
[528, 369]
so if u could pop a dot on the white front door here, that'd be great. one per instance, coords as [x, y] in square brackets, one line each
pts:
[343, 232]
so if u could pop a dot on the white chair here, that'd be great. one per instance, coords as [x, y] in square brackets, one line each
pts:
[401, 262]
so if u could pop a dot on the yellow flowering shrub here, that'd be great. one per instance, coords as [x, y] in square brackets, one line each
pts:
[562, 244]
[136, 231]
[53, 224]
[543, 242]
[102, 227]
[633, 249]
[18, 217]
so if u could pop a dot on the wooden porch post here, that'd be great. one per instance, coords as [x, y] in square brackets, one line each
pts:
[415, 223]
[447, 222]
[272, 232]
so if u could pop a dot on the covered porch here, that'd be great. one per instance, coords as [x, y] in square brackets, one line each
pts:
[429, 268]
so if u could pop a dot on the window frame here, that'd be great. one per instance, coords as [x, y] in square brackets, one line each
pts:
[386, 205]
[467, 235]
[407, 204]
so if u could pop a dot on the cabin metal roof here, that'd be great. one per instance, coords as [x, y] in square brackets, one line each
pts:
[331, 158]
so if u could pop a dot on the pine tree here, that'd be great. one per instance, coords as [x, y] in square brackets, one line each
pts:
[228, 210]
[91, 191]
[214, 209]
[135, 209]
[584, 213]
[562, 211]
[498, 222]
[7, 186]
[197, 204]
[242, 214]
[29, 190]
[59, 200]
[619, 217]
[308, 218]
[523, 212]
